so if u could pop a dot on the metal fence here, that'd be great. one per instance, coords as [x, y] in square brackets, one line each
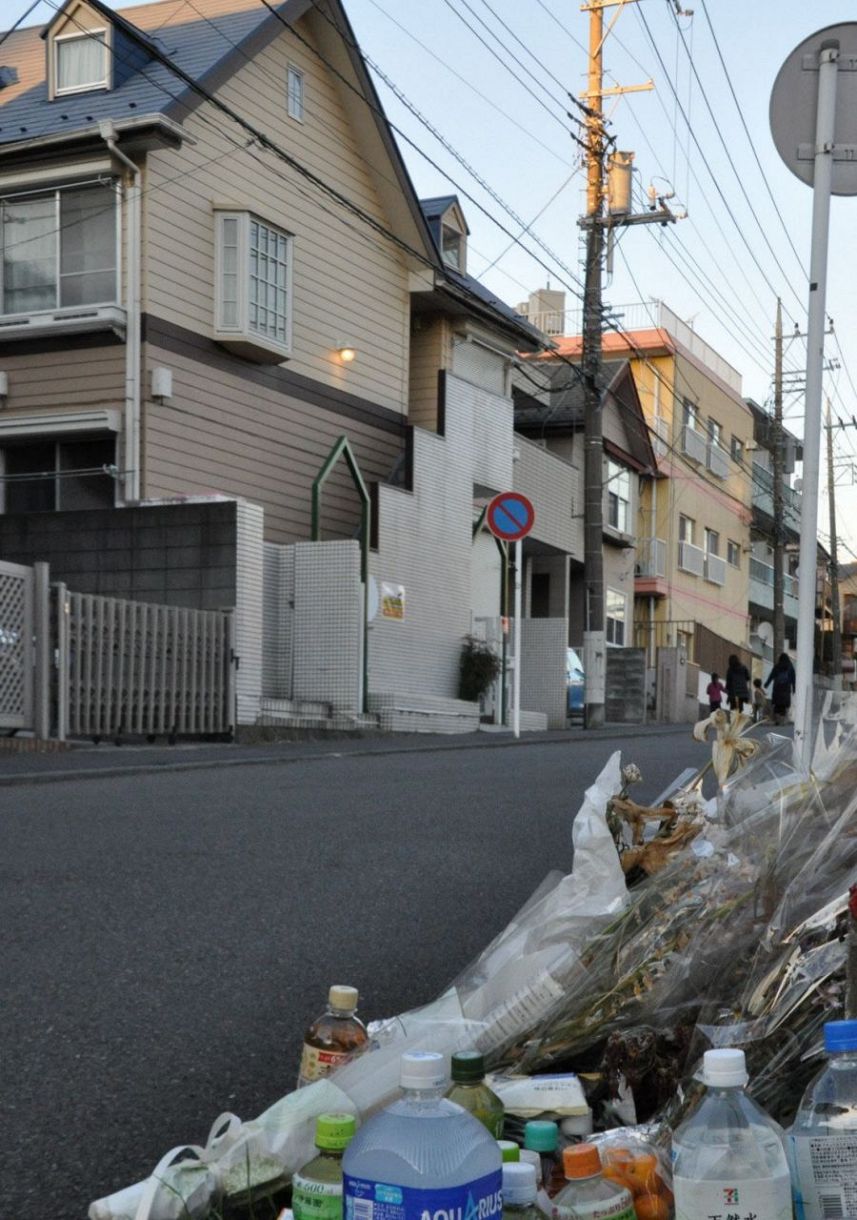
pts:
[133, 668]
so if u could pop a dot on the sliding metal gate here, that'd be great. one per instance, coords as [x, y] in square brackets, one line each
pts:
[132, 668]
[16, 646]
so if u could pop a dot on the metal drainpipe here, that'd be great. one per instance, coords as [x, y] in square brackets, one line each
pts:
[131, 422]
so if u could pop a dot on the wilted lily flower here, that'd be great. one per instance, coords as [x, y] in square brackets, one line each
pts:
[631, 774]
[729, 746]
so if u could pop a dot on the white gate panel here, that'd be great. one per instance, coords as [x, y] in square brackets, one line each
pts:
[16, 646]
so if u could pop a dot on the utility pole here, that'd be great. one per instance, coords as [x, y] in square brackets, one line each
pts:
[594, 635]
[778, 497]
[595, 222]
[836, 649]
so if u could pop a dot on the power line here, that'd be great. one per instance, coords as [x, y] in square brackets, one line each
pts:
[469, 84]
[750, 138]
[732, 164]
[642, 18]
[506, 65]
[22, 18]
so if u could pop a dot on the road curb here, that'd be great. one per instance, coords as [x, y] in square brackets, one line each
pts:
[435, 747]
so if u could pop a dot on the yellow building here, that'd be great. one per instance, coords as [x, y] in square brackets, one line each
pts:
[693, 533]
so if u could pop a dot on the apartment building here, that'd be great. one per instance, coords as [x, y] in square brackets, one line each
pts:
[215, 268]
[693, 526]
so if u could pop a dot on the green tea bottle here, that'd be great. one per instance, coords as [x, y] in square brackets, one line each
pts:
[469, 1090]
[317, 1188]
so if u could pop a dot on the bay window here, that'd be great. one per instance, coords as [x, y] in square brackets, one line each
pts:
[59, 249]
[253, 305]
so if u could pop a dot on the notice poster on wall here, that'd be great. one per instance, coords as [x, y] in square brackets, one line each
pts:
[392, 601]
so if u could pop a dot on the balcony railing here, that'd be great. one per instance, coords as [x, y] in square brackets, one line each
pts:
[651, 557]
[693, 444]
[715, 570]
[763, 497]
[764, 573]
[718, 462]
[691, 558]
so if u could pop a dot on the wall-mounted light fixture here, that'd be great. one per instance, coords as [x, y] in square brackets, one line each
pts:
[162, 384]
[346, 352]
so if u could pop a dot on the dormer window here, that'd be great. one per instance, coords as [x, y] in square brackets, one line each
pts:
[452, 248]
[81, 62]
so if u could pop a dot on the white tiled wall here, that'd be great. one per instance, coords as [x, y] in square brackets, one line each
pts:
[543, 683]
[554, 486]
[327, 624]
[426, 544]
[249, 609]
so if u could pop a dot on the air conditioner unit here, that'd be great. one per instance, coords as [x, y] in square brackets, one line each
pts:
[63, 322]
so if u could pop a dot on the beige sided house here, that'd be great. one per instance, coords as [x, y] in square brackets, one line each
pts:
[214, 266]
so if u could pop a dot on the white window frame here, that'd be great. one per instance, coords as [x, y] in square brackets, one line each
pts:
[619, 477]
[681, 531]
[104, 83]
[690, 414]
[733, 548]
[295, 110]
[241, 328]
[708, 548]
[608, 619]
[56, 190]
[462, 254]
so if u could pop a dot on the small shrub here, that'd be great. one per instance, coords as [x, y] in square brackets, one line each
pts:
[478, 668]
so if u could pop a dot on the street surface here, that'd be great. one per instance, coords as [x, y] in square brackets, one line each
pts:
[167, 936]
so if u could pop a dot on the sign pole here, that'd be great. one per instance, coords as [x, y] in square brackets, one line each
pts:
[823, 178]
[516, 673]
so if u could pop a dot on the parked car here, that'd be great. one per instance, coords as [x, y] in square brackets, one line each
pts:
[574, 682]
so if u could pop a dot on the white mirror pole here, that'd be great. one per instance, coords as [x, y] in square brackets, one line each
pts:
[516, 672]
[807, 592]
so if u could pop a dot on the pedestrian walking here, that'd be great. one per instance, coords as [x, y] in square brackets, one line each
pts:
[715, 692]
[781, 680]
[760, 701]
[737, 683]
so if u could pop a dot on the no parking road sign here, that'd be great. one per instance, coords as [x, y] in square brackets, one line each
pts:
[510, 516]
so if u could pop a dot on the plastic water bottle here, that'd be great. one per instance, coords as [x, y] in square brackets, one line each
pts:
[728, 1157]
[587, 1194]
[334, 1038]
[823, 1141]
[423, 1155]
[542, 1138]
[519, 1191]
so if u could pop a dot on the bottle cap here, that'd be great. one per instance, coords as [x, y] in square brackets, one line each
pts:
[541, 1136]
[423, 1070]
[468, 1067]
[723, 1069]
[519, 1182]
[334, 1132]
[581, 1161]
[509, 1150]
[343, 997]
[840, 1036]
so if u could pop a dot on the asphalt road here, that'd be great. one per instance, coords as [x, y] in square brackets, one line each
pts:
[164, 938]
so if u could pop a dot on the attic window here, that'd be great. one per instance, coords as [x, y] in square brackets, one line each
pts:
[452, 248]
[81, 62]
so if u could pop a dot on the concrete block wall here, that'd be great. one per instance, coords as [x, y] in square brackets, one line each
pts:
[625, 686]
[543, 682]
[174, 554]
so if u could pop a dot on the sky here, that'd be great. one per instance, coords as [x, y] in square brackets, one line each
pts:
[746, 237]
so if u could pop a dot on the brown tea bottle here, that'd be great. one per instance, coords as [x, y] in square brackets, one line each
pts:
[337, 1035]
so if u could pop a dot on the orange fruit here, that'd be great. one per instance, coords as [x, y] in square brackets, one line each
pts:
[652, 1207]
[614, 1174]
